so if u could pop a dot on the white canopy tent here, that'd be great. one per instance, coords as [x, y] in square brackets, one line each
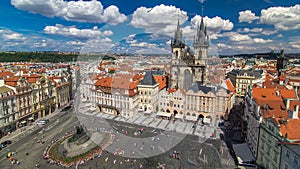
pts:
[164, 114]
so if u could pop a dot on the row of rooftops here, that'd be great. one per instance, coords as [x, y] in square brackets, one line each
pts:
[10, 74]
[131, 81]
[281, 106]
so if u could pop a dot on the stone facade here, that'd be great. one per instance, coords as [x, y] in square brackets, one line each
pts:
[172, 101]
[148, 94]
[207, 102]
[241, 79]
[290, 157]
[117, 95]
[185, 67]
[8, 110]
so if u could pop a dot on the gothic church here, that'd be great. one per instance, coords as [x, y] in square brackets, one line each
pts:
[186, 67]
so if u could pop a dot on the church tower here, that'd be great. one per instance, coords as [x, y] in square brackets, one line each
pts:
[176, 44]
[201, 45]
[177, 47]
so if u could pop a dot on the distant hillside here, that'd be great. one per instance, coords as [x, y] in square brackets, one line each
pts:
[269, 55]
[53, 57]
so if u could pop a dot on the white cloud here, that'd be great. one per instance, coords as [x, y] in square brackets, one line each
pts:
[188, 32]
[9, 35]
[260, 40]
[268, 32]
[244, 38]
[247, 16]
[222, 45]
[215, 24]
[160, 19]
[81, 11]
[72, 31]
[113, 16]
[295, 45]
[239, 37]
[152, 51]
[98, 44]
[75, 43]
[283, 18]
[246, 30]
[236, 37]
[130, 39]
[13, 36]
[256, 30]
[144, 44]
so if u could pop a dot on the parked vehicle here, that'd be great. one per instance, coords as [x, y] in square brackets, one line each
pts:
[66, 109]
[42, 122]
[5, 144]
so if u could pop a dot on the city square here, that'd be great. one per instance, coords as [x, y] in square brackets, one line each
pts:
[203, 155]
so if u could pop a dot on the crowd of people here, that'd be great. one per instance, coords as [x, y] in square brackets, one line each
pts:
[51, 159]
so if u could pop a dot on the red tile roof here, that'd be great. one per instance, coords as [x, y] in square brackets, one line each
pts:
[289, 128]
[12, 79]
[271, 101]
[162, 81]
[229, 85]
[6, 73]
[172, 90]
[119, 81]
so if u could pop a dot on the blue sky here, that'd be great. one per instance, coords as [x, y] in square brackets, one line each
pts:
[234, 26]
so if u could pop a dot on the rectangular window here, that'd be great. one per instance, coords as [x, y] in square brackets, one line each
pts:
[287, 154]
[286, 166]
[296, 160]
[275, 156]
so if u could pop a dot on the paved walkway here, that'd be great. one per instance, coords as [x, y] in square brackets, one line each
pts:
[203, 131]
[20, 132]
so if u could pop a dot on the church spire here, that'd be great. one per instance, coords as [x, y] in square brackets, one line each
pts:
[202, 24]
[178, 31]
[177, 41]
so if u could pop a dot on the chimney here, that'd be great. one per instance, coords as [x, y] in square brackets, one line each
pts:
[295, 112]
[287, 104]
[280, 81]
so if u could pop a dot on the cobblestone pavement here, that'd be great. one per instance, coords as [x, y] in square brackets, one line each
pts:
[203, 131]
[193, 151]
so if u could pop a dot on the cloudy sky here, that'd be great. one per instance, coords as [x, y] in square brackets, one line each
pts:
[234, 26]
